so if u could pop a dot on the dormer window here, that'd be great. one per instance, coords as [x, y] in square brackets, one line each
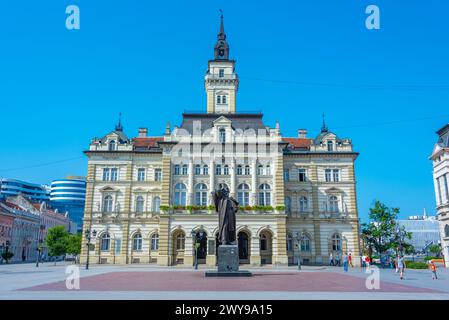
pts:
[222, 135]
[330, 146]
[112, 145]
[221, 73]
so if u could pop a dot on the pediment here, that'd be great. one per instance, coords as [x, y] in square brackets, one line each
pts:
[222, 120]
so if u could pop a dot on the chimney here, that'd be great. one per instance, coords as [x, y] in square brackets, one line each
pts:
[302, 133]
[143, 132]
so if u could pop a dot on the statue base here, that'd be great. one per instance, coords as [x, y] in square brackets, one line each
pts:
[228, 263]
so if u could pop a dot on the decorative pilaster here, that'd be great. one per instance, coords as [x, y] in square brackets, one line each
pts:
[233, 187]
[163, 258]
[190, 183]
[211, 179]
[253, 198]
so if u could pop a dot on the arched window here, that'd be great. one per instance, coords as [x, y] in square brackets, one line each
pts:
[260, 170]
[205, 169]
[333, 204]
[303, 204]
[180, 241]
[180, 194]
[336, 242]
[263, 242]
[239, 170]
[218, 169]
[264, 195]
[247, 171]
[330, 146]
[137, 242]
[218, 99]
[446, 231]
[112, 145]
[243, 194]
[155, 242]
[105, 242]
[226, 170]
[288, 204]
[184, 169]
[197, 169]
[222, 135]
[286, 175]
[156, 204]
[289, 242]
[177, 169]
[201, 194]
[305, 244]
[223, 98]
[140, 203]
[107, 203]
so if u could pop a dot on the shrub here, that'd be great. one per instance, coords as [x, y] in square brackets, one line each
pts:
[280, 208]
[430, 258]
[416, 265]
[164, 208]
[7, 255]
[211, 207]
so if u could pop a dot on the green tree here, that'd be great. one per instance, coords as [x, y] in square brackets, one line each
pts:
[56, 241]
[74, 244]
[377, 235]
[435, 249]
[7, 255]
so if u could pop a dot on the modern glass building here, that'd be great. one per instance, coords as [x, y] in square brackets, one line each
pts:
[68, 195]
[33, 191]
[424, 229]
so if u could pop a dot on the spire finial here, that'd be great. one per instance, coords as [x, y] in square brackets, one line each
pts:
[324, 127]
[119, 126]
[221, 47]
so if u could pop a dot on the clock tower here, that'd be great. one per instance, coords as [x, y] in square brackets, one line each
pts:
[221, 81]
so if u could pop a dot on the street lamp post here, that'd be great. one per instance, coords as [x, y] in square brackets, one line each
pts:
[39, 250]
[298, 240]
[195, 262]
[89, 234]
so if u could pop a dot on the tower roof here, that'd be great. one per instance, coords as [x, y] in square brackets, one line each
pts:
[221, 50]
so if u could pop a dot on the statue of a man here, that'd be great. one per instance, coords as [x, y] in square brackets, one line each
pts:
[226, 207]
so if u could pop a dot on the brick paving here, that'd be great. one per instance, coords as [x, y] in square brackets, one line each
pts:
[196, 281]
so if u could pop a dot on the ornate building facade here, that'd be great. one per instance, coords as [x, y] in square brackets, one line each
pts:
[440, 159]
[149, 198]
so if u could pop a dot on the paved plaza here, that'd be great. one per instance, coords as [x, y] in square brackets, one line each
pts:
[25, 281]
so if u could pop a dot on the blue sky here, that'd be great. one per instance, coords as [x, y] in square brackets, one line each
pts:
[386, 89]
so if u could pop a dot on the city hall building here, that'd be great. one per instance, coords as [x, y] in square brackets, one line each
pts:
[148, 198]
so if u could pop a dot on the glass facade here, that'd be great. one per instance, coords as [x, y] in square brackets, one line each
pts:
[68, 195]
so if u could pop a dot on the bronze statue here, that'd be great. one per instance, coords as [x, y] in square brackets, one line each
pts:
[226, 207]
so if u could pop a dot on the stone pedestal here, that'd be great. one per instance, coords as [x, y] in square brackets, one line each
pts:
[228, 263]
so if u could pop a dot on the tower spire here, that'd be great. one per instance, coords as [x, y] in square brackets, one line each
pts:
[221, 50]
[324, 127]
[119, 126]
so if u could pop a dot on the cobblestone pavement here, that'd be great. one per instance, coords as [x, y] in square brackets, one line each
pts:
[25, 281]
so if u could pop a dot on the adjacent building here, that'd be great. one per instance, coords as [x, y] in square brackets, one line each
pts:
[149, 197]
[425, 231]
[13, 187]
[440, 159]
[30, 224]
[68, 195]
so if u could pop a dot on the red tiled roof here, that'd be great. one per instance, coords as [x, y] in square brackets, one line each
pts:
[147, 142]
[298, 142]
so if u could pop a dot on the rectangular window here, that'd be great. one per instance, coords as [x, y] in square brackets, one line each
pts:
[106, 174]
[328, 175]
[114, 174]
[197, 169]
[336, 175]
[184, 170]
[302, 175]
[286, 175]
[446, 188]
[221, 73]
[177, 169]
[141, 174]
[218, 170]
[158, 175]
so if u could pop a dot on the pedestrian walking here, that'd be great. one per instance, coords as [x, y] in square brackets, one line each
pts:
[345, 262]
[433, 268]
[401, 266]
[367, 262]
[337, 259]
[350, 260]
[331, 260]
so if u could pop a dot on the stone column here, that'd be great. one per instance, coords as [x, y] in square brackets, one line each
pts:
[190, 183]
[254, 258]
[233, 187]
[211, 179]
[253, 198]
